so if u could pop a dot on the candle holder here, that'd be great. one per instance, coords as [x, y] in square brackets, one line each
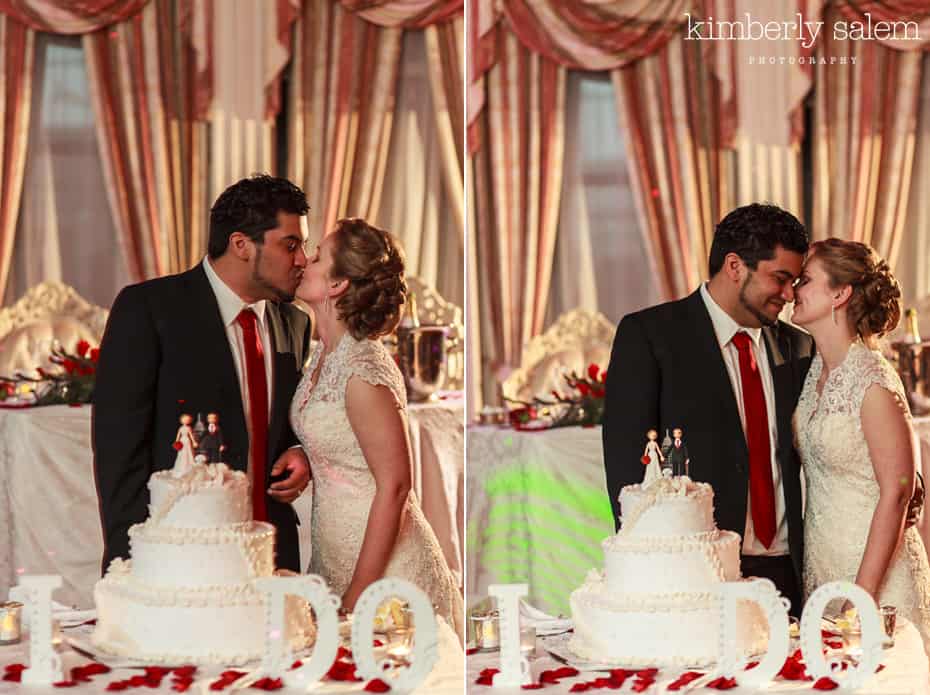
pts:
[11, 627]
[487, 630]
[889, 619]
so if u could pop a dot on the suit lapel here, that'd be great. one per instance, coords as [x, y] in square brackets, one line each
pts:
[782, 381]
[714, 376]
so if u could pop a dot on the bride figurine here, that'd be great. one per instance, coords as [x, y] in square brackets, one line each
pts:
[185, 443]
[652, 458]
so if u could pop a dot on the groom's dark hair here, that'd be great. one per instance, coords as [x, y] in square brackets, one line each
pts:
[752, 232]
[251, 206]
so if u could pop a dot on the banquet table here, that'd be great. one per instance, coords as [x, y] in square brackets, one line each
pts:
[49, 518]
[538, 509]
[444, 679]
[906, 671]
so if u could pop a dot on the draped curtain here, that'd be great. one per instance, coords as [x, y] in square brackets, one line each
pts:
[342, 101]
[152, 142]
[865, 129]
[17, 49]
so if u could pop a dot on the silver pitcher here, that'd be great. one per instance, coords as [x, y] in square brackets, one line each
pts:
[421, 352]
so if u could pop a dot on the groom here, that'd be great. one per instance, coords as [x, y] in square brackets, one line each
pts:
[219, 338]
[732, 384]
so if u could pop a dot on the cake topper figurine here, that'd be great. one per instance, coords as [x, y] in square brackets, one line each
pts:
[211, 443]
[184, 444]
[677, 456]
[652, 458]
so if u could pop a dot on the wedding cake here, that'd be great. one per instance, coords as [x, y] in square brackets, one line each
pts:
[655, 603]
[185, 596]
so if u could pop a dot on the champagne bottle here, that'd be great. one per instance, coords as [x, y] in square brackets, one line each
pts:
[912, 333]
[411, 318]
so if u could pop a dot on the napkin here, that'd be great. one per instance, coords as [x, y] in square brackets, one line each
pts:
[544, 623]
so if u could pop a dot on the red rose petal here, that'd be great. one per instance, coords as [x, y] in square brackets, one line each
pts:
[579, 688]
[826, 684]
[532, 686]
[473, 650]
[641, 684]
[268, 684]
[185, 671]
[343, 653]
[833, 644]
[880, 668]
[297, 664]
[182, 686]
[65, 684]
[722, 683]
[378, 643]
[117, 685]
[684, 679]
[751, 665]
[377, 686]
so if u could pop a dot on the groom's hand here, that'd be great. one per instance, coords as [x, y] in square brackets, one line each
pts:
[294, 462]
[916, 505]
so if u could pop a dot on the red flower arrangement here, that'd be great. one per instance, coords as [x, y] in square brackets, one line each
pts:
[71, 384]
[581, 404]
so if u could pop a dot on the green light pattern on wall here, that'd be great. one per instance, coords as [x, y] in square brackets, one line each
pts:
[543, 527]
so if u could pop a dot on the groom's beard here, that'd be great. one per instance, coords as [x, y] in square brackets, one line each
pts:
[745, 303]
[261, 281]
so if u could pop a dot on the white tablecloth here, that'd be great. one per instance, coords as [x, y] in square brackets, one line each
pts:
[50, 522]
[905, 671]
[444, 679]
[537, 511]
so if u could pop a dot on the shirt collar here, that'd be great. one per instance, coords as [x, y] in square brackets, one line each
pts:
[230, 303]
[724, 325]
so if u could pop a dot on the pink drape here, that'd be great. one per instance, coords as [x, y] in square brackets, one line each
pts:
[586, 34]
[69, 17]
[153, 150]
[517, 180]
[17, 52]
[407, 14]
[865, 129]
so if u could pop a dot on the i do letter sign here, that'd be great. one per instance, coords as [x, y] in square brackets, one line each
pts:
[45, 665]
[731, 664]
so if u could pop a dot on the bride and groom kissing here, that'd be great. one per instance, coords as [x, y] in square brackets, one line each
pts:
[763, 400]
[224, 337]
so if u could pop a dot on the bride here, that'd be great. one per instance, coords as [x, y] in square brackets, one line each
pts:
[349, 412]
[854, 435]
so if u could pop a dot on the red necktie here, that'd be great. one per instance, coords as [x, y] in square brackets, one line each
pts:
[761, 486]
[258, 408]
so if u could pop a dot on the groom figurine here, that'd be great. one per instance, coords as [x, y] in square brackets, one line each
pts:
[678, 454]
[734, 380]
[223, 336]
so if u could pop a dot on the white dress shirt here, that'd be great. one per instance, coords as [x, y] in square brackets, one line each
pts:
[725, 328]
[231, 305]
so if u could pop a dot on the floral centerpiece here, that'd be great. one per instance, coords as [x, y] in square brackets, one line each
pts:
[71, 384]
[580, 403]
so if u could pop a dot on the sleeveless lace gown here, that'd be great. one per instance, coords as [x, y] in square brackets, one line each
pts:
[842, 492]
[343, 486]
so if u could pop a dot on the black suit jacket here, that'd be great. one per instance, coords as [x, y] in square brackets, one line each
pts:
[164, 353]
[666, 370]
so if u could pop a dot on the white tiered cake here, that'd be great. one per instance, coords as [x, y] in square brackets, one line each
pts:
[185, 596]
[655, 603]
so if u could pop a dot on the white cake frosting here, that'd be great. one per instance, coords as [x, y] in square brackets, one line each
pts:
[656, 602]
[186, 596]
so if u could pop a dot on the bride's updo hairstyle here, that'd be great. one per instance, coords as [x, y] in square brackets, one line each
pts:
[874, 307]
[373, 263]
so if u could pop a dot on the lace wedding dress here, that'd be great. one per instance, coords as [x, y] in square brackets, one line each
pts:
[343, 486]
[842, 492]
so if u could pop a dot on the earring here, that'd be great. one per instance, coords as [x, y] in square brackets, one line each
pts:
[833, 314]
